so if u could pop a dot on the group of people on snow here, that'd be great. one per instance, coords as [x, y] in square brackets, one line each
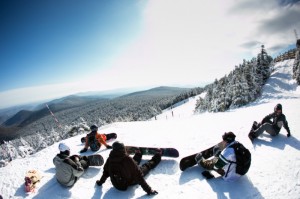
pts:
[70, 168]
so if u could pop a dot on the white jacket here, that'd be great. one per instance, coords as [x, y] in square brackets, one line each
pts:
[228, 155]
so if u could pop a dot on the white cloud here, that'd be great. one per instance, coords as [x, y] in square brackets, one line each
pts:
[188, 42]
[38, 93]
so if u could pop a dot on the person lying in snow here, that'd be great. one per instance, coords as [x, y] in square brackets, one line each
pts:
[124, 170]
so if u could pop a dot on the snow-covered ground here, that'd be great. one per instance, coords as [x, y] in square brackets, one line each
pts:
[274, 173]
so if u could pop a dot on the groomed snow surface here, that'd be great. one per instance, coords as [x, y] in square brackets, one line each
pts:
[274, 173]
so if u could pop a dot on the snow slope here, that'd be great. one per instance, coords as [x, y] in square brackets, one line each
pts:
[275, 170]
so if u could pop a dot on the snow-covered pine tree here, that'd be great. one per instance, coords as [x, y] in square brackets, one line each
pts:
[296, 66]
[242, 86]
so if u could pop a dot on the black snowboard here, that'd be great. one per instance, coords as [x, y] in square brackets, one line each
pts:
[109, 137]
[95, 160]
[190, 161]
[167, 152]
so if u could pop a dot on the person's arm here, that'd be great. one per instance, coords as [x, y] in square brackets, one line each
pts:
[105, 174]
[267, 118]
[140, 177]
[102, 141]
[77, 169]
[286, 126]
[86, 145]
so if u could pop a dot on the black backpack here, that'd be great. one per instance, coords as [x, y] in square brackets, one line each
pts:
[93, 142]
[243, 158]
[117, 175]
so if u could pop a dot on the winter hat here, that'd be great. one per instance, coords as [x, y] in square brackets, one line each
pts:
[63, 147]
[94, 128]
[228, 137]
[278, 107]
[118, 146]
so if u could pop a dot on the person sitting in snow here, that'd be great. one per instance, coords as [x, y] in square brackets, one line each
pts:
[94, 140]
[124, 170]
[223, 160]
[69, 168]
[271, 123]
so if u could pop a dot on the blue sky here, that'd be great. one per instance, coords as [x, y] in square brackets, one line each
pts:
[53, 48]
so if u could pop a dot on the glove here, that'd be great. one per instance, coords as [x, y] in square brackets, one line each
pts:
[99, 183]
[152, 192]
[83, 150]
[109, 147]
[80, 169]
[288, 135]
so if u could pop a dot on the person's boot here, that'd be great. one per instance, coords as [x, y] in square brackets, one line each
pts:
[255, 126]
[251, 136]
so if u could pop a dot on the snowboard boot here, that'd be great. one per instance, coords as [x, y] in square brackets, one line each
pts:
[255, 126]
[208, 175]
[198, 158]
[251, 136]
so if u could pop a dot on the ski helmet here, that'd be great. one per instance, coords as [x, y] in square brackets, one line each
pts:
[63, 147]
[94, 128]
[118, 146]
[278, 107]
[228, 137]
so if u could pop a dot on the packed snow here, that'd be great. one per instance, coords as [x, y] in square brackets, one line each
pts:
[274, 173]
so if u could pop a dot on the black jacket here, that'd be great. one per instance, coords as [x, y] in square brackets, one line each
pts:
[277, 122]
[131, 172]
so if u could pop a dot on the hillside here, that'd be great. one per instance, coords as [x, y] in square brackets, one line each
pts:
[274, 173]
[72, 110]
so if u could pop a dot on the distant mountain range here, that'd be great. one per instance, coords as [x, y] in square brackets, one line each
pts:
[24, 117]
[33, 113]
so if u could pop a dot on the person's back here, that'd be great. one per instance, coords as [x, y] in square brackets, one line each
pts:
[64, 171]
[124, 170]
[68, 169]
[94, 140]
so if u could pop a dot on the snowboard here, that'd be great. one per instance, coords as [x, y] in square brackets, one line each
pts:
[190, 161]
[109, 137]
[167, 152]
[95, 160]
[32, 177]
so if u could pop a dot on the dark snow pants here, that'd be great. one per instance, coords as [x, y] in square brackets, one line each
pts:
[146, 167]
[265, 127]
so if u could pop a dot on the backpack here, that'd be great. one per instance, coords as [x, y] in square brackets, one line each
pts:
[243, 158]
[117, 175]
[93, 142]
[32, 177]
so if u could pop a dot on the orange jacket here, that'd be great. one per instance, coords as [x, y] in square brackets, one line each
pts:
[100, 137]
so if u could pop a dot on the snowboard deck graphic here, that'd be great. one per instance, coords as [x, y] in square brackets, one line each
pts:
[95, 160]
[190, 161]
[167, 152]
[109, 137]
